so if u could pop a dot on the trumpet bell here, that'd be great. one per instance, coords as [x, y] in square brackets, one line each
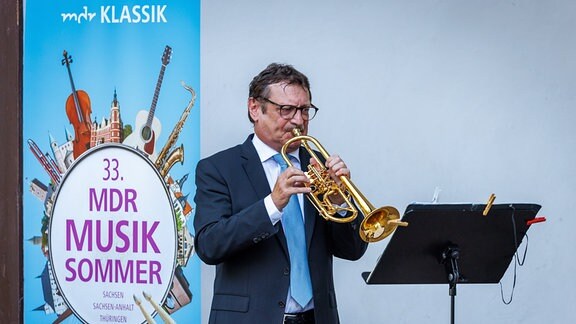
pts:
[380, 223]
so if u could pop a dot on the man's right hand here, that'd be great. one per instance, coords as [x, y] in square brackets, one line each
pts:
[291, 181]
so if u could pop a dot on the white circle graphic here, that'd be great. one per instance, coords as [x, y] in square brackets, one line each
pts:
[112, 235]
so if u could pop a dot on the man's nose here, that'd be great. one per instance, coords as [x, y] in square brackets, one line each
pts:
[298, 119]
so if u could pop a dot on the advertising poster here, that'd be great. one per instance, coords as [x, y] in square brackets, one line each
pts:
[111, 140]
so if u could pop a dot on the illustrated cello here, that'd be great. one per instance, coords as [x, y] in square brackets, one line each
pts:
[78, 111]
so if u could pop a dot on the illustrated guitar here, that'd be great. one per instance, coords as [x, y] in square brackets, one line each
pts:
[78, 111]
[147, 127]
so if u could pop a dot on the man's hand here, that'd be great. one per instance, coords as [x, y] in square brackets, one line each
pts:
[336, 168]
[291, 181]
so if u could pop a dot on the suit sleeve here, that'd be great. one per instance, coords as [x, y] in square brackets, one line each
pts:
[222, 225]
[344, 237]
[346, 241]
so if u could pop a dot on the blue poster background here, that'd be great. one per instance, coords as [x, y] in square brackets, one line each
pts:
[116, 48]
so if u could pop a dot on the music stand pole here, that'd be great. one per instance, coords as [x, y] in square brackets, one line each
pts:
[450, 259]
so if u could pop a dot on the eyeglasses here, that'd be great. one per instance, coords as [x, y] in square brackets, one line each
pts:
[288, 111]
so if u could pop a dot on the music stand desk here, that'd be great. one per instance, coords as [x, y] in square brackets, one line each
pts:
[453, 243]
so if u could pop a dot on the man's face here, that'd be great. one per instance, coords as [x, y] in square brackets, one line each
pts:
[272, 128]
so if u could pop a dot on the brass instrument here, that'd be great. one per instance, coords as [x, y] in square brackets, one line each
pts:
[166, 160]
[378, 223]
[177, 155]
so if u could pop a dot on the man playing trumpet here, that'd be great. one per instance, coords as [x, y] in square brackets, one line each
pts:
[272, 251]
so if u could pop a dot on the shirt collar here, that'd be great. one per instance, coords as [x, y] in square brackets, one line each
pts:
[265, 152]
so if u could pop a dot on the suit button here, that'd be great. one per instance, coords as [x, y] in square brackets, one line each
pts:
[286, 271]
[256, 239]
[281, 304]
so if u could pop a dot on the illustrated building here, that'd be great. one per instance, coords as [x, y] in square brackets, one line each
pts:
[36, 240]
[63, 153]
[109, 130]
[38, 189]
[53, 301]
[182, 211]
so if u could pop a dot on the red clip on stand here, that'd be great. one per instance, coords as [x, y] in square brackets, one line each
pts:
[536, 220]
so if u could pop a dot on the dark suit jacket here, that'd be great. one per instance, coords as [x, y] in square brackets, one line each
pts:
[234, 232]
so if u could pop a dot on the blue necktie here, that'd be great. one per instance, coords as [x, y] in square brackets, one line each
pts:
[293, 224]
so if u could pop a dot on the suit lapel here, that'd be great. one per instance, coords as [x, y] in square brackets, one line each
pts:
[254, 170]
[257, 178]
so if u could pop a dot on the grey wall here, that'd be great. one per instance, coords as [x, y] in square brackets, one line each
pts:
[472, 97]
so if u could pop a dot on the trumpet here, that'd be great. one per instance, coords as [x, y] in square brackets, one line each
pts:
[378, 223]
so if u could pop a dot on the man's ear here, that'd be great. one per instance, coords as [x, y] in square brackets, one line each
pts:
[253, 108]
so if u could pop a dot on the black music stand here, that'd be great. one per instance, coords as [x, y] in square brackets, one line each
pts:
[451, 244]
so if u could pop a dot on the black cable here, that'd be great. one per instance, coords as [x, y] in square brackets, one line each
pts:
[516, 261]
[521, 263]
[513, 286]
